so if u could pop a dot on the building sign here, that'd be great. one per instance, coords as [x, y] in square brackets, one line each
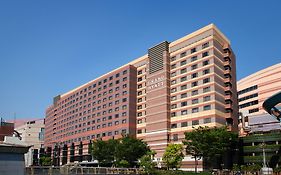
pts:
[155, 82]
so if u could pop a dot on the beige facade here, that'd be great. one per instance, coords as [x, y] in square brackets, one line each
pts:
[32, 134]
[253, 90]
[180, 85]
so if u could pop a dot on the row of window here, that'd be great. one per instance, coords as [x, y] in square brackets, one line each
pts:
[194, 75]
[98, 126]
[192, 84]
[193, 101]
[248, 89]
[193, 110]
[193, 50]
[94, 136]
[97, 84]
[248, 97]
[192, 67]
[192, 59]
[251, 103]
[193, 123]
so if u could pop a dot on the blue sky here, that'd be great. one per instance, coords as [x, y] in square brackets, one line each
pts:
[50, 47]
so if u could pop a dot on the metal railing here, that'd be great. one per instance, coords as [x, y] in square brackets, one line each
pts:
[67, 170]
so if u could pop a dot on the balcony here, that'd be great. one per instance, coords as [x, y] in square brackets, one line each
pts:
[226, 63]
[226, 80]
[228, 106]
[227, 72]
[228, 88]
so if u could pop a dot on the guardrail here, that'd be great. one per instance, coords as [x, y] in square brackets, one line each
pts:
[67, 170]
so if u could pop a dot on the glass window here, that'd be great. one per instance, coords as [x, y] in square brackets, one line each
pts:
[207, 107]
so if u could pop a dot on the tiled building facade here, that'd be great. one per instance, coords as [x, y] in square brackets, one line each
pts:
[175, 87]
[253, 90]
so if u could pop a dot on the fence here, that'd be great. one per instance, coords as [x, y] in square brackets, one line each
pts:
[39, 170]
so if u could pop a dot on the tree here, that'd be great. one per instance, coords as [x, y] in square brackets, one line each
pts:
[104, 151]
[146, 162]
[46, 161]
[130, 149]
[173, 156]
[205, 142]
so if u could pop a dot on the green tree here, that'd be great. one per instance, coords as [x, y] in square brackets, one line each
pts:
[104, 151]
[205, 142]
[46, 161]
[146, 162]
[130, 149]
[173, 155]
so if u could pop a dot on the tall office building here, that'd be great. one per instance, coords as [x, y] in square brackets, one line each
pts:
[253, 90]
[177, 86]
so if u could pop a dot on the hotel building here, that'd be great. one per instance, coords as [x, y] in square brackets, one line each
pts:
[253, 90]
[177, 86]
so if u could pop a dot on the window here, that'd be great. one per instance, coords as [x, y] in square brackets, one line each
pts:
[183, 112]
[205, 54]
[139, 86]
[205, 62]
[183, 87]
[183, 79]
[140, 100]
[173, 98]
[173, 74]
[206, 71]
[173, 66]
[193, 50]
[195, 92]
[183, 103]
[139, 92]
[207, 107]
[193, 84]
[205, 45]
[173, 82]
[183, 70]
[194, 110]
[174, 125]
[183, 95]
[184, 124]
[175, 137]
[173, 90]
[173, 106]
[124, 72]
[206, 89]
[194, 75]
[193, 67]
[117, 75]
[116, 122]
[207, 120]
[194, 58]
[173, 114]
[194, 101]
[206, 80]
[139, 131]
[125, 79]
[195, 122]
[183, 62]
[206, 98]
[139, 114]
[139, 79]
[173, 58]
[253, 110]
[183, 54]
